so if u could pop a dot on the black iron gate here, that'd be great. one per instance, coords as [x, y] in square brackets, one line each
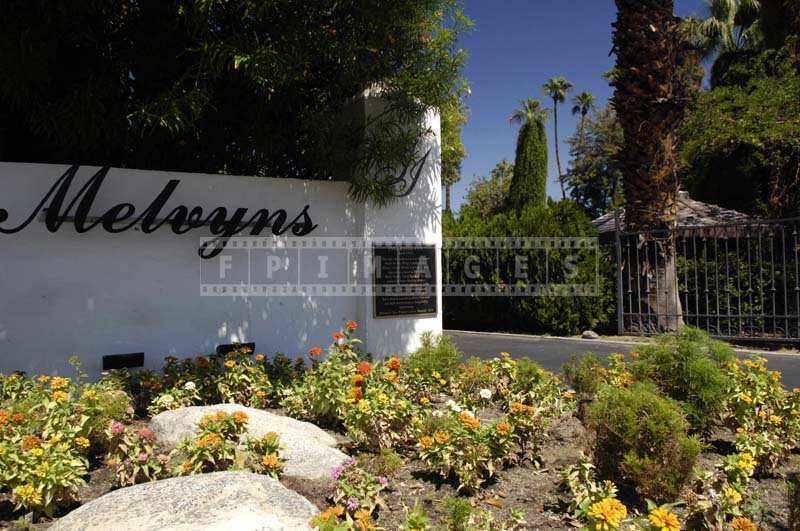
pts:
[736, 281]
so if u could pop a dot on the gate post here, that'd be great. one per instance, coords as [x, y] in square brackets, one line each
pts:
[620, 296]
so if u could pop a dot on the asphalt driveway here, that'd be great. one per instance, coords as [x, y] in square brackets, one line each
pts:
[552, 352]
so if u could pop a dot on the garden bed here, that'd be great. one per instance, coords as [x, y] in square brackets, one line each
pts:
[436, 443]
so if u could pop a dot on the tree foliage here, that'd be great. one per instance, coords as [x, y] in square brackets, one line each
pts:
[240, 86]
[489, 195]
[529, 184]
[742, 139]
[593, 179]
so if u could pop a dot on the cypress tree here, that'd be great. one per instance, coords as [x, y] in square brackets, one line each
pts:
[529, 181]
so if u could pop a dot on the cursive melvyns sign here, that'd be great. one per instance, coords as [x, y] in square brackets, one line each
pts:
[180, 219]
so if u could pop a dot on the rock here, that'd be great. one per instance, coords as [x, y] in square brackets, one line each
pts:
[221, 500]
[590, 334]
[309, 451]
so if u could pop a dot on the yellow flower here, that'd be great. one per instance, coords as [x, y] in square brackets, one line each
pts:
[230, 364]
[426, 442]
[740, 523]
[775, 419]
[38, 452]
[270, 460]
[442, 381]
[260, 394]
[424, 400]
[436, 374]
[83, 442]
[41, 470]
[259, 357]
[28, 495]
[363, 406]
[608, 513]
[60, 396]
[746, 462]
[58, 382]
[744, 397]
[731, 494]
[212, 439]
[43, 379]
[90, 394]
[664, 520]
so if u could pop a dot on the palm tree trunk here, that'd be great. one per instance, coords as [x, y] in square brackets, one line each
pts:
[558, 154]
[448, 197]
[652, 91]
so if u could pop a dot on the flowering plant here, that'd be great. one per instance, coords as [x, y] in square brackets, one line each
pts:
[356, 489]
[323, 391]
[377, 413]
[175, 398]
[265, 454]
[466, 448]
[215, 447]
[133, 454]
[243, 380]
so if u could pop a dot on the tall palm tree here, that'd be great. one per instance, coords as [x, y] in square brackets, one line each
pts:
[557, 88]
[653, 88]
[582, 104]
[529, 179]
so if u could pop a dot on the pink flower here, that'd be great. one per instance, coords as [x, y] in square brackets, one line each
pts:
[117, 428]
[146, 434]
[143, 457]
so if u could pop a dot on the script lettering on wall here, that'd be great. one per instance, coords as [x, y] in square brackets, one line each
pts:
[181, 219]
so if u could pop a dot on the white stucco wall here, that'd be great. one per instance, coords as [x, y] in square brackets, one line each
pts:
[97, 293]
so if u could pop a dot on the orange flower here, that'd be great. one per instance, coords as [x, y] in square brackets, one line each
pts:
[469, 421]
[331, 513]
[355, 393]
[503, 428]
[30, 441]
[337, 336]
[426, 442]
[351, 325]
[441, 437]
[518, 407]
[364, 367]
[240, 417]
[634, 355]
[259, 357]
[314, 352]
[230, 364]
[740, 523]
[393, 363]
[357, 380]
[3, 416]
[18, 417]
[212, 439]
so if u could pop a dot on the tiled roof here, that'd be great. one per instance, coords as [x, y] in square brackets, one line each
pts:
[691, 213]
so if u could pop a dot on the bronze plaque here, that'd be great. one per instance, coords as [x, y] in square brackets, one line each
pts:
[405, 280]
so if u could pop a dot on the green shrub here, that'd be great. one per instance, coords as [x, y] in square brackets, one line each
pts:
[582, 374]
[437, 353]
[545, 314]
[642, 441]
[689, 367]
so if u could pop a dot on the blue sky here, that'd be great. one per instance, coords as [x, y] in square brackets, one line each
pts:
[515, 46]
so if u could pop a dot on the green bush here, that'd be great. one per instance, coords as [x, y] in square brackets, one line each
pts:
[437, 353]
[558, 313]
[689, 367]
[582, 374]
[642, 441]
